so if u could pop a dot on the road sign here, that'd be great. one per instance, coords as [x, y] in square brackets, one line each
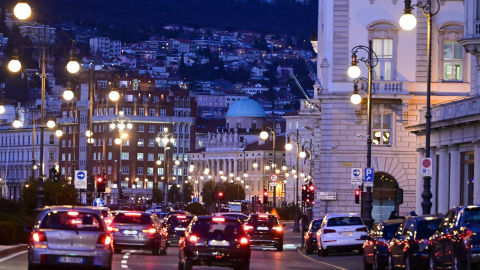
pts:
[273, 184]
[327, 196]
[273, 178]
[426, 164]
[368, 177]
[275, 212]
[356, 176]
[99, 202]
[80, 179]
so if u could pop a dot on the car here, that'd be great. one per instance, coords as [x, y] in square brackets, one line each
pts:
[107, 214]
[375, 247]
[456, 242]
[240, 216]
[340, 232]
[409, 247]
[68, 236]
[214, 241]
[139, 230]
[264, 230]
[174, 224]
[311, 235]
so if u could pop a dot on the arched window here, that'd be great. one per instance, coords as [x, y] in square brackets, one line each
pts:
[452, 55]
[384, 37]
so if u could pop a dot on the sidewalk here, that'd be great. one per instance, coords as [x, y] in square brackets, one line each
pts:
[11, 249]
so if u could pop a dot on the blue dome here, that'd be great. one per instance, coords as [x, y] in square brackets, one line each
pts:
[246, 108]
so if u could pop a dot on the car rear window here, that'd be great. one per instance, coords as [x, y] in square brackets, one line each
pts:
[72, 220]
[424, 230]
[132, 219]
[206, 228]
[177, 220]
[389, 230]
[471, 215]
[259, 220]
[344, 221]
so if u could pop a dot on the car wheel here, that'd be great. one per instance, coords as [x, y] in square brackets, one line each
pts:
[280, 247]
[360, 251]
[117, 250]
[431, 262]
[390, 263]
[187, 265]
[366, 265]
[33, 267]
[323, 252]
[308, 248]
[377, 265]
[164, 250]
[243, 266]
[156, 248]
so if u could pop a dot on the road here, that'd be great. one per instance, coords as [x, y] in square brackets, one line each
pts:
[262, 258]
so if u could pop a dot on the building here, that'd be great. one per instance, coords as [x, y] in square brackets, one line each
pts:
[105, 47]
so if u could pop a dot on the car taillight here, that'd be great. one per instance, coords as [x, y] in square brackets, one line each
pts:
[467, 233]
[382, 242]
[108, 221]
[132, 214]
[325, 231]
[263, 216]
[39, 237]
[363, 229]
[104, 239]
[244, 241]
[193, 239]
[181, 217]
[72, 213]
[112, 229]
[278, 228]
[151, 230]
[218, 219]
[247, 227]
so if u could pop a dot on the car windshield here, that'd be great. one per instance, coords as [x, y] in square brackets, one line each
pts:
[72, 220]
[132, 218]
[316, 225]
[263, 220]
[208, 228]
[389, 230]
[179, 220]
[425, 228]
[344, 221]
[472, 215]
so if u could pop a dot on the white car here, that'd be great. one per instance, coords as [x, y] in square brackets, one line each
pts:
[340, 232]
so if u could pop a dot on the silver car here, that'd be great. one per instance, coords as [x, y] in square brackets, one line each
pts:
[70, 236]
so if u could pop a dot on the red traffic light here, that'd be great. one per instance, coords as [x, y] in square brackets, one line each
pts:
[220, 194]
[99, 179]
[357, 192]
[311, 188]
[265, 194]
[304, 187]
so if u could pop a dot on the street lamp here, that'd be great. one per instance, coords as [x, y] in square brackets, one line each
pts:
[264, 135]
[354, 72]
[122, 125]
[408, 22]
[295, 136]
[22, 11]
[166, 138]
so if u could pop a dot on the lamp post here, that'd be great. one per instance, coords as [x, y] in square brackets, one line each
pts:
[295, 136]
[264, 136]
[354, 72]
[166, 138]
[122, 125]
[408, 22]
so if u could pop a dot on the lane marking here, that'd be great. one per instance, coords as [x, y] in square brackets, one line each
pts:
[313, 260]
[124, 262]
[13, 255]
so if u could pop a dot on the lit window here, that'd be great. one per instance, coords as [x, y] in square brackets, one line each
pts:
[452, 60]
[383, 48]
[382, 129]
[139, 156]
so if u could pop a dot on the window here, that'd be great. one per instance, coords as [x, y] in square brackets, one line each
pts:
[139, 156]
[52, 139]
[150, 171]
[139, 170]
[151, 112]
[141, 128]
[151, 128]
[51, 155]
[127, 111]
[382, 129]
[384, 50]
[163, 112]
[452, 60]
[125, 156]
[140, 142]
[150, 156]
[110, 155]
[151, 142]
[141, 111]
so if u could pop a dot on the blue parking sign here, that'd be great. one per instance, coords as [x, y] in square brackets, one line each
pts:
[369, 177]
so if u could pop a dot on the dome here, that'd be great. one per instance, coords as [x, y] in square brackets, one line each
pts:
[246, 108]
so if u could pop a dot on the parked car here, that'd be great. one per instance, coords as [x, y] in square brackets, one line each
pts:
[68, 236]
[240, 216]
[456, 243]
[138, 230]
[340, 232]
[375, 248]
[408, 248]
[264, 230]
[174, 224]
[311, 235]
[214, 241]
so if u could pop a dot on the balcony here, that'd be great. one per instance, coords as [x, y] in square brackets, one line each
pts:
[454, 109]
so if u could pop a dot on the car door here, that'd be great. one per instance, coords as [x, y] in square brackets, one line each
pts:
[398, 243]
[369, 245]
[441, 241]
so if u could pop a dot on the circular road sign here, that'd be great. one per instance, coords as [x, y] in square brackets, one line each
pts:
[273, 178]
[426, 163]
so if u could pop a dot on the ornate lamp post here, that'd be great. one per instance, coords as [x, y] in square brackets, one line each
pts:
[295, 136]
[166, 138]
[354, 72]
[264, 136]
[122, 125]
[408, 22]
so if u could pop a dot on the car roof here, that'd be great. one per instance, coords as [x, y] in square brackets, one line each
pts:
[71, 208]
[210, 217]
[229, 214]
[425, 217]
[341, 215]
[391, 221]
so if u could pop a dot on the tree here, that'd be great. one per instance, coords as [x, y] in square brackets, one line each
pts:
[196, 208]
[173, 194]
[55, 193]
[157, 195]
[208, 192]
[187, 192]
[234, 191]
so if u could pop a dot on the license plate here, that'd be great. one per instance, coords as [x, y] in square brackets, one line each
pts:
[346, 233]
[218, 243]
[262, 228]
[65, 259]
[180, 229]
[129, 232]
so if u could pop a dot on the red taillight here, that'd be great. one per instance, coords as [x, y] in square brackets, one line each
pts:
[467, 233]
[108, 221]
[193, 239]
[382, 243]
[244, 241]
[218, 219]
[277, 228]
[263, 216]
[363, 229]
[132, 214]
[151, 230]
[181, 217]
[247, 227]
[72, 213]
[39, 237]
[325, 231]
[112, 229]
[104, 239]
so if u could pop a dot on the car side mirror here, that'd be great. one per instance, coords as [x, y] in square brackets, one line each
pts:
[364, 237]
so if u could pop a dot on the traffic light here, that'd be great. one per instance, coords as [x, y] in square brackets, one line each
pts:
[304, 193]
[311, 192]
[357, 196]
[100, 184]
[120, 192]
[220, 195]
[265, 196]
[399, 196]
[254, 200]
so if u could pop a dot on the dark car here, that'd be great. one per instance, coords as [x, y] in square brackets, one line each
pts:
[174, 225]
[264, 230]
[456, 243]
[408, 248]
[311, 235]
[138, 230]
[214, 241]
[375, 248]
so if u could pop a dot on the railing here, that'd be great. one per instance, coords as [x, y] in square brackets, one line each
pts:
[453, 109]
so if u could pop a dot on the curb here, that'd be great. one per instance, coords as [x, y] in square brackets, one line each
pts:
[14, 249]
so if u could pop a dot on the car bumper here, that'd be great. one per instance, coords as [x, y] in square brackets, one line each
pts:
[173, 238]
[48, 257]
[266, 241]
[129, 241]
[217, 256]
[344, 244]
[420, 258]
